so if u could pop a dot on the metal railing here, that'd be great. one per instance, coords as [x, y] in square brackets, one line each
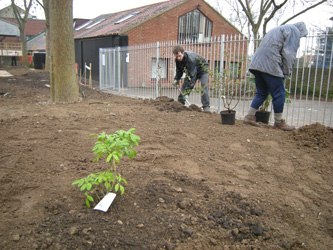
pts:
[9, 49]
[147, 71]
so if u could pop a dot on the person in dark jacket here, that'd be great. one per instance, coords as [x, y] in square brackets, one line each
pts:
[271, 64]
[14, 58]
[193, 65]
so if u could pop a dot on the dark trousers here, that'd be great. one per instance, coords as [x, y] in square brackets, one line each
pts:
[13, 60]
[268, 84]
[204, 93]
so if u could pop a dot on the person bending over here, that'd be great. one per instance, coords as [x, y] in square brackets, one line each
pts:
[193, 65]
[271, 64]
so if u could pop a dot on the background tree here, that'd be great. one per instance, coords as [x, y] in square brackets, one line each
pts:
[64, 87]
[45, 5]
[260, 12]
[21, 21]
[235, 15]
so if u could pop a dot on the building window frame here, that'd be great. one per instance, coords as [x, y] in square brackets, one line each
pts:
[163, 70]
[194, 26]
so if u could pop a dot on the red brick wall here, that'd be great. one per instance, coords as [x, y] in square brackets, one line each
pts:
[165, 26]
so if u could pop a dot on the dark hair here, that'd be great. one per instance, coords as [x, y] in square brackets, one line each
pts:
[177, 49]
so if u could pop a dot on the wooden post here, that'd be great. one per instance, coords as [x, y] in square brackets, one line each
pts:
[90, 81]
[85, 74]
[79, 75]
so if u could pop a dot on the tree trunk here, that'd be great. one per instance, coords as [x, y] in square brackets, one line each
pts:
[46, 6]
[64, 87]
[24, 49]
[21, 21]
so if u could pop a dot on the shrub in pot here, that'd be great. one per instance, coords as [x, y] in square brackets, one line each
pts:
[227, 84]
[263, 114]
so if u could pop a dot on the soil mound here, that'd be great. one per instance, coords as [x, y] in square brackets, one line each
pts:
[315, 136]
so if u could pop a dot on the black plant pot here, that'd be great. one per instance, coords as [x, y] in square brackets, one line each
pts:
[262, 116]
[228, 118]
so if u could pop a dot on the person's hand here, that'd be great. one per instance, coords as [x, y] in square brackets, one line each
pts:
[185, 97]
[175, 83]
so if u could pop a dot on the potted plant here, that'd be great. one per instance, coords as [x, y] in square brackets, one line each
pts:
[263, 114]
[227, 84]
[230, 98]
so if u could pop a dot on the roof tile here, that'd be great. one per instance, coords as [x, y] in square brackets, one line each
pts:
[109, 26]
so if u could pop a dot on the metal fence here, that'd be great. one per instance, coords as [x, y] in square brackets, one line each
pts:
[9, 49]
[147, 71]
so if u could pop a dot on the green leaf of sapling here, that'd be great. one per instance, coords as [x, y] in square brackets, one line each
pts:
[132, 130]
[131, 154]
[76, 182]
[90, 198]
[109, 158]
[83, 187]
[122, 190]
[87, 203]
[116, 158]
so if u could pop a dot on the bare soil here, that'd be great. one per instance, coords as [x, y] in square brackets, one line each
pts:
[194, 184]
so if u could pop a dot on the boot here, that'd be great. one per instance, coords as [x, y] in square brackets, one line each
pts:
[250, 120]
[283, 126]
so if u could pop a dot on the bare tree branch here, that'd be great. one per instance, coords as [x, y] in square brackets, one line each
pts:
[21, 20]
[305, 10]
[276, 8]
[40, 4]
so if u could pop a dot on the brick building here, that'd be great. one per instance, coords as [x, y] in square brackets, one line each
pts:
[182, 20]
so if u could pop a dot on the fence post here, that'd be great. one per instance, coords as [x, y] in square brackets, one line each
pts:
[90, 80]
[119, 71]
[114, 68]
[100, 66]
[157, 66]
[85, 74]
[219, 101]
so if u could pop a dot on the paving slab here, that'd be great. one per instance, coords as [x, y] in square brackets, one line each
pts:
[5, 73]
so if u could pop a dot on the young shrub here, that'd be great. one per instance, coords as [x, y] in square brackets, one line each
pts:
[112, 147]
[227, 83]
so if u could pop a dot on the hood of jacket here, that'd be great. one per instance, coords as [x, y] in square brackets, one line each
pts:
[302, 28]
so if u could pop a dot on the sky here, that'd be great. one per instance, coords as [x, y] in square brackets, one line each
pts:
[89, 9]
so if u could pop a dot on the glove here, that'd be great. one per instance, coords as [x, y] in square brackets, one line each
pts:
[175, 83]
[185, 97]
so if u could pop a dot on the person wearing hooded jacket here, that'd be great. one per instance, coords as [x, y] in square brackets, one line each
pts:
[193, 65]
[271, 64]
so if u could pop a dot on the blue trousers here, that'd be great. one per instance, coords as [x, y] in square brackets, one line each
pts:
[268, 84]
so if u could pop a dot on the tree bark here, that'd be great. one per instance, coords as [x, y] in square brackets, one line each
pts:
[64, 87]
[21, 21]
[46, 6]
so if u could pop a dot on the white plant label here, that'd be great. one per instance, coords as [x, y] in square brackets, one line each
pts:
[105, 203]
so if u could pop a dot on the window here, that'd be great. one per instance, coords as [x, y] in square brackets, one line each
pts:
[127, 17]
[84, 25]
[218, 69]
[234, 69]
[194, 27]
[95, 23]
[159, 69]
